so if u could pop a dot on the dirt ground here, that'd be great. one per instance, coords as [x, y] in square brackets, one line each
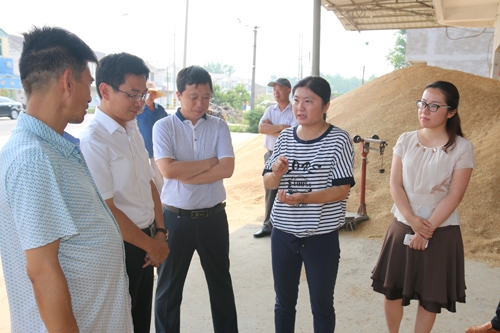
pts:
[386, 107]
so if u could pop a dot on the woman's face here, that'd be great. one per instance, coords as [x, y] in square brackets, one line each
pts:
[436, 119]
[308, 107]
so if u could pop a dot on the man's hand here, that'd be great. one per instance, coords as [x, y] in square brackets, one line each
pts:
[157, 251]
[267, 121]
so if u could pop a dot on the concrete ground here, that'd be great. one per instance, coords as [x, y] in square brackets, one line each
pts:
[358, 308]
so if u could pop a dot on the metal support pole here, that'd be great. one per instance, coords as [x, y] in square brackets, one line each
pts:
[365, 148]
[316, 37]
[252, 97]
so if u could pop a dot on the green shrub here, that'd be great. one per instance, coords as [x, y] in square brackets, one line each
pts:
[252, 118]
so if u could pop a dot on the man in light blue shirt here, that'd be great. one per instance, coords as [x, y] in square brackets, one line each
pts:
[62, 254]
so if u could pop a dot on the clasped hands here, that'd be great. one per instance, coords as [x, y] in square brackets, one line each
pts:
[423, 232]
[158, 252]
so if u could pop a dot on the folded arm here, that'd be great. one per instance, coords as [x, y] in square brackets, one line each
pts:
[224, 169]
[268, 128]
[50, 288]
[183, 170]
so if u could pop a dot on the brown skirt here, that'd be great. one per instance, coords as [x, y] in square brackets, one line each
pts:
[435, 276]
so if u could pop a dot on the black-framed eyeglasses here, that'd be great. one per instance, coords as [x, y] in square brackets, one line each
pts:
[135, 97]
[431, 107]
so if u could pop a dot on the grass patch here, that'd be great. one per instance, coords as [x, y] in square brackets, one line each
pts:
[238, 128]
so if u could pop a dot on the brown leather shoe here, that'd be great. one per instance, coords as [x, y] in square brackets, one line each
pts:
[485, 328]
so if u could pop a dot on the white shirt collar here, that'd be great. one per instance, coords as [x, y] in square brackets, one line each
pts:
[109, 123]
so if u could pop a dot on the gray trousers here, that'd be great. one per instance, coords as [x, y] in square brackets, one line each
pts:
[270, 196]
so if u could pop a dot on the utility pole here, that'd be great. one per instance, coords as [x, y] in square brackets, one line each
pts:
[316, 37]
[252, 96]
[185, 35]
[364, 57]
[301, 51]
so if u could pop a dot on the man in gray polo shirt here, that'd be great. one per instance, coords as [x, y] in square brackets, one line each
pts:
[275, 119]
[194, 153]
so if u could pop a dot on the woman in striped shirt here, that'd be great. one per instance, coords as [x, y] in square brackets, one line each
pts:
[312, 166]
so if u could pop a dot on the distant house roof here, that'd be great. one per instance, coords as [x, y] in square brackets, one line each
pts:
[3, 33]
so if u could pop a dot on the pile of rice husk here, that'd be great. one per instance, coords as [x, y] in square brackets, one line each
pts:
[386, 107]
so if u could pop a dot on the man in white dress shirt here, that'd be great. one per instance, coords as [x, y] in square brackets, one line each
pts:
[114, 150]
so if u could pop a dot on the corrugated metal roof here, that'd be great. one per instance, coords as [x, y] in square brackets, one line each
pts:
[359, 15]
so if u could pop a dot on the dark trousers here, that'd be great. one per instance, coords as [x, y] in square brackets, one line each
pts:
[140, 287]
[210, 238]
[495, 322]
[320, 255]
[270, 195]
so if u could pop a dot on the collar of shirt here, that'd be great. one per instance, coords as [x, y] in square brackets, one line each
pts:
[276, 107]
[181, 117]
[109, 123]
[146, 108]
[65, 143]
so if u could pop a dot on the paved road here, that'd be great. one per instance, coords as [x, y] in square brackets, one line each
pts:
[6, 126]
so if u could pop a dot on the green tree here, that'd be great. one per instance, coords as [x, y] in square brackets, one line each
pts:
[234, 98]
[396, 56]
[217, 96]
[218, 68]
[252, 118]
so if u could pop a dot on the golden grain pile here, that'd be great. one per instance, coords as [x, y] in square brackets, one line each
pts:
[386, 107]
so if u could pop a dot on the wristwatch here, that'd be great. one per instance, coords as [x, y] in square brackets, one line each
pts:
[162, 230]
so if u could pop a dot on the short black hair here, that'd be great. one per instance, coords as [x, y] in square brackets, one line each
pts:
[318, 85]
[114, 68]
[193, 75]
[47, 53]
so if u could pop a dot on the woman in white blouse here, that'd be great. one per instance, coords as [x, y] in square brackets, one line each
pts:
[422, 257]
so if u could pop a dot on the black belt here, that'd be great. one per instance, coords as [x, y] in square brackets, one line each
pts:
[197, 213]
[151, 230]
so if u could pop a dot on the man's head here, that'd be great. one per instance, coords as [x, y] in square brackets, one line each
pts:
[194, 91]
[153, 93]
[121, 81]
[54, 68]
[47, 53]
[281, 90]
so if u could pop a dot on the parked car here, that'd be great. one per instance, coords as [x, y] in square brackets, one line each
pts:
[10, 108]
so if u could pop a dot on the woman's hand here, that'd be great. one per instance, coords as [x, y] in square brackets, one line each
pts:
[418, 242]
[280, 166]
[292, 199]
[421, 226]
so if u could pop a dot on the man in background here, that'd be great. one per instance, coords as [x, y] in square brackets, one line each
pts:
[275, 119]
[61, 248]
[152, 112]
[114, 150]
[492, 326]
